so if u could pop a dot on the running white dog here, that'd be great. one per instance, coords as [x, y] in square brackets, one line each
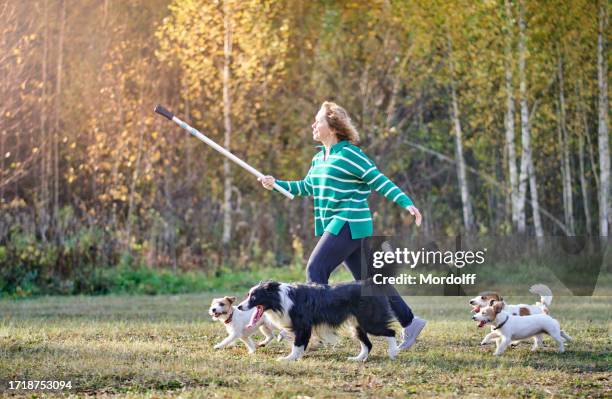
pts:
[236, 323]
[487, 298]
[512, 327]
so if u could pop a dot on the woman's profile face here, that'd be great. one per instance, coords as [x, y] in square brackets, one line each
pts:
[320, 129]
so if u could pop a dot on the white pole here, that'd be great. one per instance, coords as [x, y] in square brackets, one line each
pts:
[225, 152]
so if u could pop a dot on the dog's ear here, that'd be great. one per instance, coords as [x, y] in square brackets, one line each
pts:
[491, 302]
[269, 285]
[230, 299]
[498, 307]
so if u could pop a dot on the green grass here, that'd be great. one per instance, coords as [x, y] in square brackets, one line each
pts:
[157, 346]
[143, 280]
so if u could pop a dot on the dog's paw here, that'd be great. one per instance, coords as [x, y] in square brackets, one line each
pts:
[218, 346]
[357, 358]
[262, 344]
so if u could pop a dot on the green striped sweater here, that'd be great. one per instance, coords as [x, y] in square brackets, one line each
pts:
[340, 186]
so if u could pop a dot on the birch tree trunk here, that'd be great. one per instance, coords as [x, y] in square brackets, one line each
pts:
[583, 185]
[589, 143]
[527, 169]
[43, 222]
[535, 204]
[58, 92]
[602, 133]
[227, 108]
[565, 158]
[468, 218]
[509, 120]
[525, 142]
[583, 181]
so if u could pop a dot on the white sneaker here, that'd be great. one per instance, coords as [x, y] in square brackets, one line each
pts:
[411, 332]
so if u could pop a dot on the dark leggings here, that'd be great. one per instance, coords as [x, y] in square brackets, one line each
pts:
[332, 250]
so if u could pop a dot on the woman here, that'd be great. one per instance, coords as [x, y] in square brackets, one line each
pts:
[340, 179]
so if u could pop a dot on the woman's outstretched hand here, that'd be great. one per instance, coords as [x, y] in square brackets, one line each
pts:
[415, 212]
[268, 182]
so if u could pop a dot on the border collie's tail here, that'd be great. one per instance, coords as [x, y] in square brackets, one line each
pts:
[544, 292]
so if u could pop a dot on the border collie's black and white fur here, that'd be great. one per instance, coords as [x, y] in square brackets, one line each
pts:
[305, 309]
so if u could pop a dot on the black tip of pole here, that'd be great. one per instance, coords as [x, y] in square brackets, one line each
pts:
[164, 112]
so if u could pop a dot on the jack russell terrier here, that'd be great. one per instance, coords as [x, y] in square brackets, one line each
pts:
[236, 323]
[513, 327]
[487, 298]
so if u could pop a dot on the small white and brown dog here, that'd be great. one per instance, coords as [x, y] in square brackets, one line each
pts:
[236, 323]
[485, 299]
[512, 327]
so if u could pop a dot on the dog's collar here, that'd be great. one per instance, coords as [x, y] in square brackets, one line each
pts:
[502, 324]
[229, 319]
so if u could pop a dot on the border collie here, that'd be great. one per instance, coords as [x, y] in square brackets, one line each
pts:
[513, 327]
[320, 309]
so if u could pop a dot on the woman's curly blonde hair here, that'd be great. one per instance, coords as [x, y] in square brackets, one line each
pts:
[340, 122]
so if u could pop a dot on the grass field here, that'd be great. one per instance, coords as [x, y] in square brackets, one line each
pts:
[158, 346]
